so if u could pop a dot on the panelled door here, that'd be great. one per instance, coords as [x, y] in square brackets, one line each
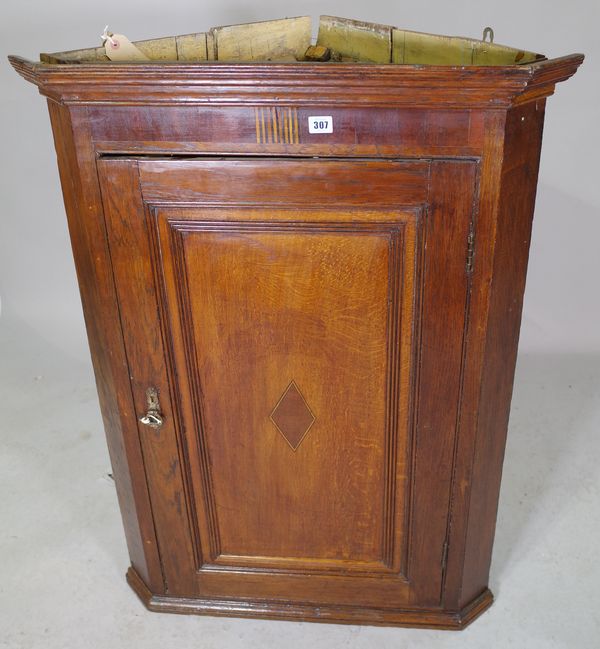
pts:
[294, 330]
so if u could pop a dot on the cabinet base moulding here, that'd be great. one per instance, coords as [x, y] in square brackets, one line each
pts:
[303, 612]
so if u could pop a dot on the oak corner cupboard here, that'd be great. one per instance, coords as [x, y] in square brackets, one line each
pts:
[302, 269]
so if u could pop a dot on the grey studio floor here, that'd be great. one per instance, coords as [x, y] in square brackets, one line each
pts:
[63, 551]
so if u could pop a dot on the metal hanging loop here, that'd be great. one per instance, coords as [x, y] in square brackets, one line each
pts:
[488, 31]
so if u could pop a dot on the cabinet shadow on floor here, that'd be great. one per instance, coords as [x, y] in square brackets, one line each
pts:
[555, 399]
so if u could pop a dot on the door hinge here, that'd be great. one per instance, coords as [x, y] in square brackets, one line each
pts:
[444, 555]
[470, 248]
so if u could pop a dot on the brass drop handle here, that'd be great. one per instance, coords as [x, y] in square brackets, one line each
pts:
[153, 417]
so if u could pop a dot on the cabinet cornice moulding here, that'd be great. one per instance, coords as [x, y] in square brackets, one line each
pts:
[300, 83]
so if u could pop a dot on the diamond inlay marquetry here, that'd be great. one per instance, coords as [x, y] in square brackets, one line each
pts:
[292, 416]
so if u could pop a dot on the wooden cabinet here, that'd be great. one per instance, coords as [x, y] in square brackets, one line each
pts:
[304, 343]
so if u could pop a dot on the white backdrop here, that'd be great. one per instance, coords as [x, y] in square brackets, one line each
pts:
[61, 582]
[37, 277]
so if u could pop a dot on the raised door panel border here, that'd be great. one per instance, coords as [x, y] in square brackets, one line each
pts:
[147, 363]
[281, 181]
[442, 348]
[400, 231]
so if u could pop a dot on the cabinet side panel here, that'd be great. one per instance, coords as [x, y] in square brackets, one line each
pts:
[515, 206]
[77, 168]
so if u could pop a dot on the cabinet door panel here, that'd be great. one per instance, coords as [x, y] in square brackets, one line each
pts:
[309, 385]
[288, 329]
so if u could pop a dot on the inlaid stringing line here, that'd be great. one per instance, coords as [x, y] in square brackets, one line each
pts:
[276, 125]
